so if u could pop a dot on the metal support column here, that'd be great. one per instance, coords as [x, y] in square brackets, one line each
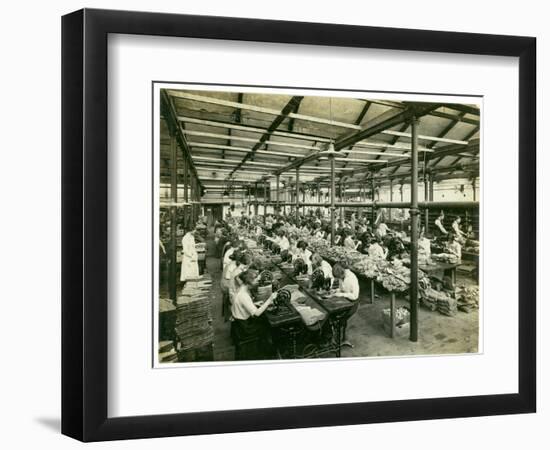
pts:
[303, 202]
[265, 199]
[414, 232]
[391, 199]
[185, 191]
[285, 191]
[426, 199]
[297, 193]
[255, 199]
[249, 199]
[173, 217]
[277, 196]
[474, 188]
[373, 209]
[332, 198]
[342, 209]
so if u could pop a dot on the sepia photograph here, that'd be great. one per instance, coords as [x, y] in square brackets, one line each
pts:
[294, 224]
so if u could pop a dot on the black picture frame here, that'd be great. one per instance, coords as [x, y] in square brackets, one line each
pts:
[84, 224]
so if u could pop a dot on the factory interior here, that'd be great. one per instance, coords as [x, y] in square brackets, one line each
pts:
[316, 226]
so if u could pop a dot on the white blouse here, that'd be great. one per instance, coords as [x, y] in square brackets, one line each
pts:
[284, 243]
[350, 285]
[327, 269]
[349, 244]
[376, 251]
[243, 307]
[226, 257]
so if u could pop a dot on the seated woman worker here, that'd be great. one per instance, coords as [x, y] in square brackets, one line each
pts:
[317, 261]
[228, 273]
[303, 252]
[249, 333]
[349, 289]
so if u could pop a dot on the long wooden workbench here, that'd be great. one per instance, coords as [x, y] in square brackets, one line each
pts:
[293, 338]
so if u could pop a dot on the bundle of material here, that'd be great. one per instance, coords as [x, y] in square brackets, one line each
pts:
[318, 245]
[471, 246]
[356, 258]
[338, 253]
[402, 316]
[372, 267]
[309, 311]
[447, 305]
[193, 319]
[430, 298]
[250, 243]
[467, 298]
[262, 293]
[261, 262]
[402, 322]
[276, 259]
[446, 258]
[394, 276]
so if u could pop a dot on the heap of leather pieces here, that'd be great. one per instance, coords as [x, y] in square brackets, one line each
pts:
[430, 297]
[447, 306]
[193, 314]
[467, 298]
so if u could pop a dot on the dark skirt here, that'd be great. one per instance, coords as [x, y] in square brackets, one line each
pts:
[251, 339]
[244, 330]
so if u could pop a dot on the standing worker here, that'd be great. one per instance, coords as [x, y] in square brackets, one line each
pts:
[456, 229]
[439, 228]
[189, 261]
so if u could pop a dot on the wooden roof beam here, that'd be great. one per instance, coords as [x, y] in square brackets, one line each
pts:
[260, 109]
[282, 115]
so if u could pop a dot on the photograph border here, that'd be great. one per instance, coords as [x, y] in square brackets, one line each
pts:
[84, 224]
[155, 204]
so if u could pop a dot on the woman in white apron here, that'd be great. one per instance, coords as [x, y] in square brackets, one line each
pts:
[189, 260]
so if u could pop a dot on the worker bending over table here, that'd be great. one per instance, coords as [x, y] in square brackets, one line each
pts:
[317, 261]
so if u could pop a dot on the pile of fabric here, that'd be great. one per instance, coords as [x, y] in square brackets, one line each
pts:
[394, 276]
[472, 246]
[402, 315]
[370, 267]
[447, 305]
[402, 322]
[308, 310]
[261, 262]
[467, 298]
[337, 253]
[446, 258]
[431, 298]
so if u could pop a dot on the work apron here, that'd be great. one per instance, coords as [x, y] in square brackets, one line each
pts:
[189, 268]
